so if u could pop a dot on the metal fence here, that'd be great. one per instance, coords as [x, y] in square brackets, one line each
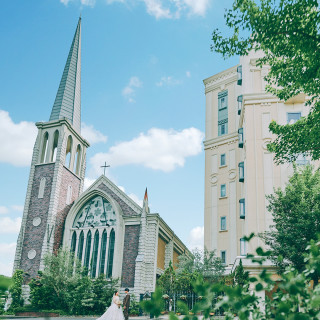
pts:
[190, 299]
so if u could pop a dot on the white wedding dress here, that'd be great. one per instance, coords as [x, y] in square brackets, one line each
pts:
[114, 312]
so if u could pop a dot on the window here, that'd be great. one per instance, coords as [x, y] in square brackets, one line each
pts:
[55, 146]
[243, 247]
[242, 208]
[103, 252]
[241, 171]
[110, 254]
[41, 188]
[302, 160]
[223, 223]
[239, 74]
[240, 138]
[223, 256]
[293, 117]
[73, 242]
[77, 161]
[44, 148]
[223, 191]
[88, 250]
[68, 152]
[239, 99]
[95, 254]
[69, 195]
[222, 160]
[223, 113]
[80, 246]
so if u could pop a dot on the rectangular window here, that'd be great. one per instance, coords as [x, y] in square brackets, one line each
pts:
[239, 99]
[243, 247]
[222, 113]
[223, 256]
[222, 160]
[223, 191]
[239, 74]
[293, 117]
[242, 208]
[241, 171]
[223, 223]
[240, 138]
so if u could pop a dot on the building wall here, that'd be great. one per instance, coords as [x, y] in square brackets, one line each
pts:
[69, 179]
[261, 175]
[161, 253]
[130, 252]
[36, 222]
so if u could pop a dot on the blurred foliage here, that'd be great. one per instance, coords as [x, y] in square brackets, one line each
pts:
[288, 33]
[294, 295]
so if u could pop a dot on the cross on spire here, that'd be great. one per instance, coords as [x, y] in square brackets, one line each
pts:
[104, 168]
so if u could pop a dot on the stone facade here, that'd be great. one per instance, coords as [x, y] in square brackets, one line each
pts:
[72, 182]
[35, 227]
[130, 252]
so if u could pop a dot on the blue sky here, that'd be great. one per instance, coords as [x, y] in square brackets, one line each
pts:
[143, 62]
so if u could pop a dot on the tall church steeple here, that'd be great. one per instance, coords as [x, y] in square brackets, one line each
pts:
[57, 170]
[68, 100]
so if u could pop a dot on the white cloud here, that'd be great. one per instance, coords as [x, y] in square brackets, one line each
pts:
[129, 90]
[196, 238]
[65, 2]
[168, 81]
[91, 134]
[7, 252]
[4, 210]
[87, 183]
[197, 7]
[17, 140]
[155, 8]
[158, 149]
[134, 197]
[89, 3]
[171, 9]
[17, 208]
[188, 74]
[9, 225]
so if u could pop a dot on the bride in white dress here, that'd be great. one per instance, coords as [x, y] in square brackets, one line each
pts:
[114, 312]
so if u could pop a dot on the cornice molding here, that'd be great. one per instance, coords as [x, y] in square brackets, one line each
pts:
[226, 139]
[220, 78]
[61, 122]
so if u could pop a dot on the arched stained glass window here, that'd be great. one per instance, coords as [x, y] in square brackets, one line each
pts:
[103, 252]
[110, 254]
[95, 254]
[73, 242]
[88, 249]
[80, 246]
[97, 212]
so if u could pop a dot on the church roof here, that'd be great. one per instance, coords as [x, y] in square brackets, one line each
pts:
[68, 100]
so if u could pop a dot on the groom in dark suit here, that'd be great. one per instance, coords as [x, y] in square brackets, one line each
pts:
[126, 304]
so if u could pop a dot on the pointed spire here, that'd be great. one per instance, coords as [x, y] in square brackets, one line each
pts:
[68, 99]
[145, 207]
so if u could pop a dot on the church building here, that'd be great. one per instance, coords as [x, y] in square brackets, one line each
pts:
[106, 230]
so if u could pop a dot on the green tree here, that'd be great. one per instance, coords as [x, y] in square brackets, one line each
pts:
[287, 31]
[16, 290]
[5, 283]
[241, 277]
[296, 217]
[167, 281]
[291, 295]
[201, 263]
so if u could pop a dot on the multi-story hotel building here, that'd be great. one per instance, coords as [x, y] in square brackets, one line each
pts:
[239, 170]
